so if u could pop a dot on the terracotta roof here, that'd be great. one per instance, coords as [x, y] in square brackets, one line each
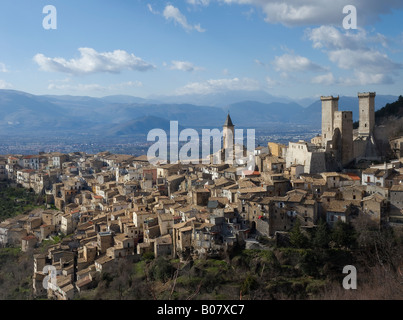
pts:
[30, 237]
[251, 173]
[353, 176]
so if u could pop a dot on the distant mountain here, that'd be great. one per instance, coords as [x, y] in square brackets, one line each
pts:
[186, 114]
[305, 102]
[26, 112]
[22, 113]
[128, 99]
[138, 126]
[222, 99]
[252, 113]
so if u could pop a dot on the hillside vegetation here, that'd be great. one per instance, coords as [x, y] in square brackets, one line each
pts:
[16, 201]
[390, 110]
[309, 268]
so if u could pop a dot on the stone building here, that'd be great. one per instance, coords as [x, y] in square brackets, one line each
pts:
[228, 134]
[396, 145]
[375, 207]
[338, 145]
[307, 154]
[396, 200]
[337, 130]
[364, 140]
[329, 106]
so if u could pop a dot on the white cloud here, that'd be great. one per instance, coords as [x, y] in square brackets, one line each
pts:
[150, 8]
[66, 85]
[128, 84]
[295, 63]
[198, 28]
[330, 37]
[260, 63]
[219, 85]
[308, 12]
[370, 61]
[325, 79]
[358, 52]
[248, 14]
[358, 78]
[271, 82]
[365, 78]
[3, 67]
[91, 61]
[5, 85]
[77, 87]
[184, 66]
[204, 3]
[173, 13]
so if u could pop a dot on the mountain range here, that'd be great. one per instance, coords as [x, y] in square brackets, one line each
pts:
[24, 113]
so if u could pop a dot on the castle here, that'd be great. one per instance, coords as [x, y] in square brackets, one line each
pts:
[339, 145]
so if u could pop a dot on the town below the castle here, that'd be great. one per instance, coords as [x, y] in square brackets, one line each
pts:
[108, 207]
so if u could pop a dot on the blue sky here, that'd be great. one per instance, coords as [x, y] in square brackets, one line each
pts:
[295, 48]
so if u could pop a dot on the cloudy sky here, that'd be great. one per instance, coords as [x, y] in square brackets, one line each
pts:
[295, 48]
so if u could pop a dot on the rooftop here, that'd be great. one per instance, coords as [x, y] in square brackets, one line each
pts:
[228, 121]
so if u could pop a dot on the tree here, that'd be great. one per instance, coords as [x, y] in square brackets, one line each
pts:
[321, 236]
[161, 269]
[343, 234]
[297, 238]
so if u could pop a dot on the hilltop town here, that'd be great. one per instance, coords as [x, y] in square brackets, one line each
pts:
[110, 207]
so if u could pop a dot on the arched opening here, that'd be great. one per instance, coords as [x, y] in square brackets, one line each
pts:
[253, 228]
